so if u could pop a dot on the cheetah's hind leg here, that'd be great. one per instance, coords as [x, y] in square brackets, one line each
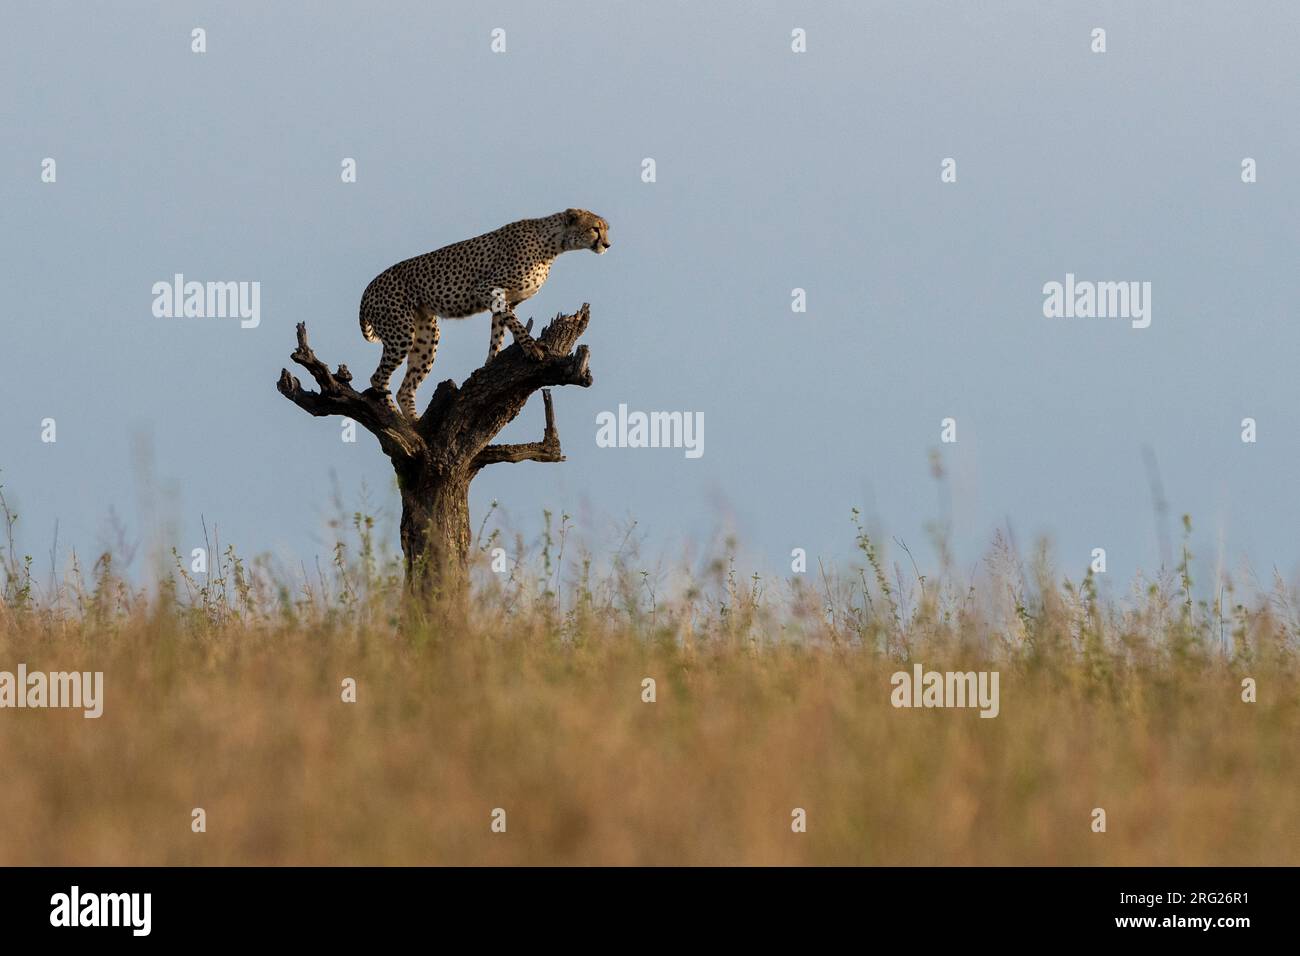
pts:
[397, 343]
[423, 351]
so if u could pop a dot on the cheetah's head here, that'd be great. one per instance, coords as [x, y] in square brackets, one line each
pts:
[585, 230]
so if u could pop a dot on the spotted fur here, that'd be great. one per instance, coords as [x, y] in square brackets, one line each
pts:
[493, 273]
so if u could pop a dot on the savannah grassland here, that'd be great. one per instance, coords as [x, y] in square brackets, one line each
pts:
[223, 691]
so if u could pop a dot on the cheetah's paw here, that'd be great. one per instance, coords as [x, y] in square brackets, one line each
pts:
[385, 396]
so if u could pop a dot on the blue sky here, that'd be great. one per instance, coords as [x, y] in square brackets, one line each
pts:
[775, 171]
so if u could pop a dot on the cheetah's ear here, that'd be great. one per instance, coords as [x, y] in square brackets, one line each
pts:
[571, 216]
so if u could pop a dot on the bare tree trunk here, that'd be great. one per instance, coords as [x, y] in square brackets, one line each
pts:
[435, 528]
[437, 456]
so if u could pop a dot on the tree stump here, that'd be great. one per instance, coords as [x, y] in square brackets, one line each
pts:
[437, 455]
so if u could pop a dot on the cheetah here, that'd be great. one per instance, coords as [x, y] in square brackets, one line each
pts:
[493, 273]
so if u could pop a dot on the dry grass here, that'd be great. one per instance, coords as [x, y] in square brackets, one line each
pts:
[226, 696]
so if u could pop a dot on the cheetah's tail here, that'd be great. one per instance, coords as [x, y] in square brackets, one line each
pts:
[368, 330]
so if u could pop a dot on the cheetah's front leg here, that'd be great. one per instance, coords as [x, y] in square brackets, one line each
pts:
[524, 340]
[498, 333]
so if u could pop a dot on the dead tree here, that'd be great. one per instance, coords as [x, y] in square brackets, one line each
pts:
[437, 455]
